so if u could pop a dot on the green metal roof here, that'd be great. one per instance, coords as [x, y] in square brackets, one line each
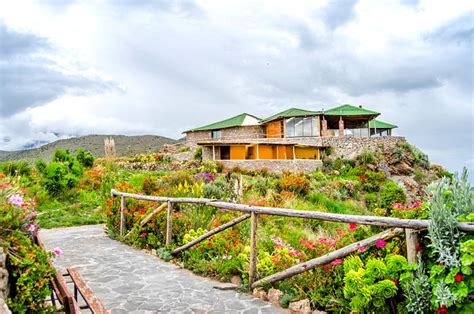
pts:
[227, 123]
[292, 112]
[349, 110]
[377, 124]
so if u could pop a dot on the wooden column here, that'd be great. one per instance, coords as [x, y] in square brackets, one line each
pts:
[341, 127]
[258, 153]
[213, 152]
[169, 224]
[411, 237]
[253, 248]
[122, 215]
[294, 154]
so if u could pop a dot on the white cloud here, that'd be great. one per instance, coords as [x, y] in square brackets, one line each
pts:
[163, 67]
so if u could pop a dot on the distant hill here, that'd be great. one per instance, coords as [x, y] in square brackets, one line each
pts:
[125, 146]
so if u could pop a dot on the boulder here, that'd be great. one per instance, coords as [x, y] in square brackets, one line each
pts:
[236, 280]
[300, 307]
[274, 296]
[259, 293]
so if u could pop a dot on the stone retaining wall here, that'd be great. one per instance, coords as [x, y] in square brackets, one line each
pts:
[351, 147]
[297, 165]
[4, 290]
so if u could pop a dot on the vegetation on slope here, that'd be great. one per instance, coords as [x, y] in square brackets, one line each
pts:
[377, 277]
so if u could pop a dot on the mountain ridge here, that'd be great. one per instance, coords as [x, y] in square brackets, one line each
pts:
[125, 146]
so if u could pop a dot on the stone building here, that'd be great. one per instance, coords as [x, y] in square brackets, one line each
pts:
[292, 139]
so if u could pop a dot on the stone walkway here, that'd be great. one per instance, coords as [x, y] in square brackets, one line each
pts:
[127, 280]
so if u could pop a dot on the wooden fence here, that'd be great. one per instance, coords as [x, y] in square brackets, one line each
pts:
[397, 226]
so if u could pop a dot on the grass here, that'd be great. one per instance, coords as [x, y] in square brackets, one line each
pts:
[57, 214]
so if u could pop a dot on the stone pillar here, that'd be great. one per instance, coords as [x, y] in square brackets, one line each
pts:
[341, 127]
[324, 127]
[4, 291]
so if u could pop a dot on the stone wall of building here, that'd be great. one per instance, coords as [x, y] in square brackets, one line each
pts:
[351, 147]
[3, 283]
[297, 165]
[237, 133]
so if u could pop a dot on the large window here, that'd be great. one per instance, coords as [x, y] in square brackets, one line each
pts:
[301, 126]
[216, 134]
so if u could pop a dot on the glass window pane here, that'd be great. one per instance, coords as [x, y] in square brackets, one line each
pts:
[364, 132]
[298, 126]
[307, 127]
[290, 127]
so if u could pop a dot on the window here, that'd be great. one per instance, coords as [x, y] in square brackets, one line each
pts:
[296, 127]
[216, 134]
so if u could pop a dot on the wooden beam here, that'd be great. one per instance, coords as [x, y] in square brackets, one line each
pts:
[88, 295]
[411, 238]
[417, 224]
[211, 233]
[258, 152]
[122, 215]
[169, 224]
[253, 248]
[149, 217]
[325, 259]
[213, 152]
[153, 214]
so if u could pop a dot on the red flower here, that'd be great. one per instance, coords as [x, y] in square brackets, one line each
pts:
[327, 267]
[395, 281]
[442, 310]
[419, 249]
[209, 243]
[458, 277]
[352, 227]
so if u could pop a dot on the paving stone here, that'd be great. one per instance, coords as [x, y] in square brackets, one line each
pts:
[127, 280]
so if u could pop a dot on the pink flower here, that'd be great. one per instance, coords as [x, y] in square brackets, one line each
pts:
[361, 249]
[32, 214]
[16, 200]
[57, 251]
[380, 243]
[336, 262]
[416, 204]
[352, 227]
[398, 206]
[31, 227]
[143, 235]
[327, 267]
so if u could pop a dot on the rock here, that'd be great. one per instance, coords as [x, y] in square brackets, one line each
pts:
[236, 280]
[274, 296]
[259, 293]
[302, 306]
[153, 252]
[319, 312]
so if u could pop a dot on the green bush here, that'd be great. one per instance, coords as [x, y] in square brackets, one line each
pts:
[85, 158]
[391, 193]
[295, 183]
[16, 168]
[198, 154]
[149, 185]
[366, 157]
[372, 201]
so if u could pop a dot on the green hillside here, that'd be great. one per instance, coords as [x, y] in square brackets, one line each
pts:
[125, 146]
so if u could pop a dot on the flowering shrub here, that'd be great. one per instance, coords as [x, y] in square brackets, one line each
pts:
[417, 209]
[295, 183]
[28, 265]
[369, 286]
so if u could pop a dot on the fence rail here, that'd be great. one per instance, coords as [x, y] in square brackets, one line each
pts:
[397, 225]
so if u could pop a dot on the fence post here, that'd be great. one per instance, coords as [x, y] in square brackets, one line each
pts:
[253, 248]
[169, 223]
[122, 215]
[411, 237]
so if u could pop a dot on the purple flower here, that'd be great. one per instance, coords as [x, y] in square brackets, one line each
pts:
[57, 251]
[16, 200]
[204, 176]
[143, 235]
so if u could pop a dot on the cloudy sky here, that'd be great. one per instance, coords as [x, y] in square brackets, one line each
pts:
[76, 67]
